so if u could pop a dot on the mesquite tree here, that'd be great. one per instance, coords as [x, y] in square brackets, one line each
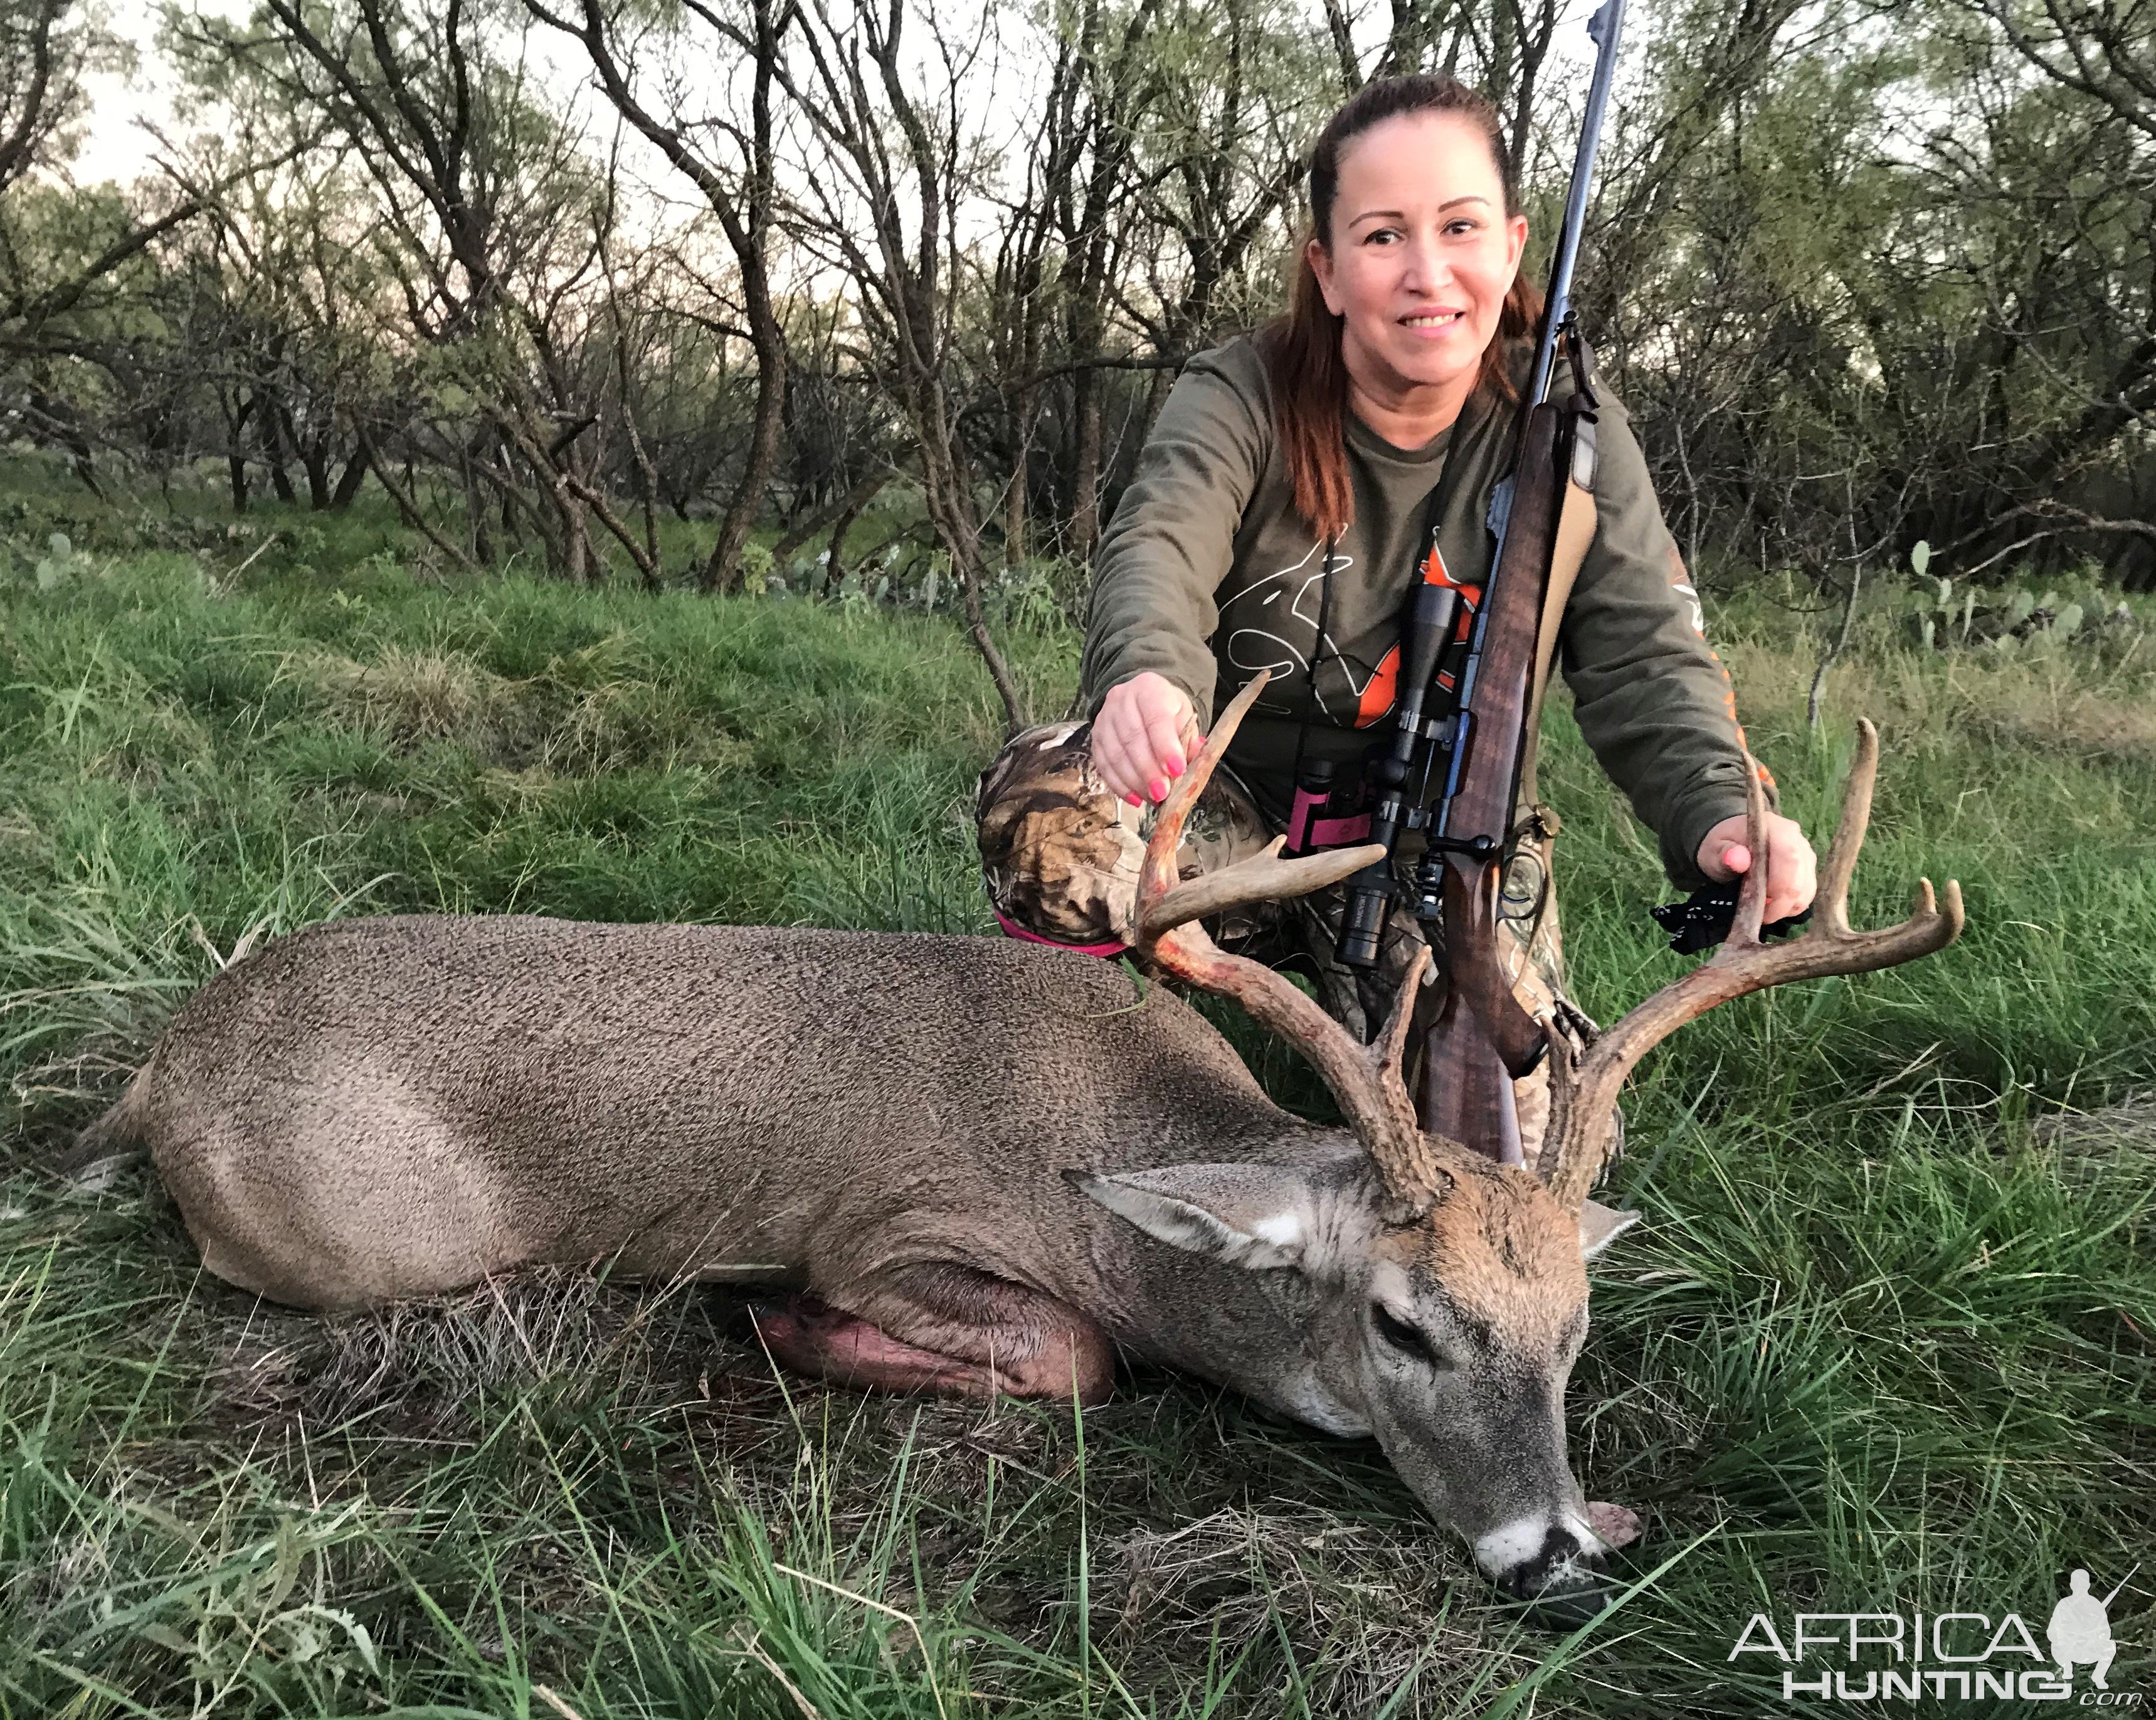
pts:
[550, 269]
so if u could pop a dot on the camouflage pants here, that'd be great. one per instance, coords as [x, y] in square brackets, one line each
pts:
[1060, 853]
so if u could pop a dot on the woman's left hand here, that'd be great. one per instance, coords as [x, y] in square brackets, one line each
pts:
[1792, 867]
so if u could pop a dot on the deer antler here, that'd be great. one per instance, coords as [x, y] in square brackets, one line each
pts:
[1365, 1079]
[1583, 1098]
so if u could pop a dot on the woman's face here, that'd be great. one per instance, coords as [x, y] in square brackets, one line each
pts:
[1422, 255]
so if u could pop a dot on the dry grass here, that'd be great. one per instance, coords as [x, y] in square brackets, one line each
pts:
[409, 694]
[2094, 698]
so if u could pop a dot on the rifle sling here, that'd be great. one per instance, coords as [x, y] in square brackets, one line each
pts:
[1575, 533]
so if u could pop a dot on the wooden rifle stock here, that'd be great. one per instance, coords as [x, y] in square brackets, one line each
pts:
[1483, 1039]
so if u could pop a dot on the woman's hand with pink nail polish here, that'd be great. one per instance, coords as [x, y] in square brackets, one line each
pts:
[1144, 735]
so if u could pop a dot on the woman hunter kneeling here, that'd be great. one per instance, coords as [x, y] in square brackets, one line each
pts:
[1276, 522]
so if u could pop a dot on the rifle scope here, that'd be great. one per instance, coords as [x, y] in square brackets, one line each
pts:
[1429, 624]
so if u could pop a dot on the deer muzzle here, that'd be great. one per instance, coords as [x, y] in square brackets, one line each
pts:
[1544, 1555]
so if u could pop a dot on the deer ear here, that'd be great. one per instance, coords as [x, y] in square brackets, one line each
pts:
[1253, 1215]
[1600, 1225]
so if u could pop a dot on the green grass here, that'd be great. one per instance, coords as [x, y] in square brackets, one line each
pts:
[1885, 1343]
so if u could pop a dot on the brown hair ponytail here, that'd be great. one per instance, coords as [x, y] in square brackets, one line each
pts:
[1302, 348]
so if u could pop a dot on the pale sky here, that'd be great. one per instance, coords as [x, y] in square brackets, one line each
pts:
[115, 146]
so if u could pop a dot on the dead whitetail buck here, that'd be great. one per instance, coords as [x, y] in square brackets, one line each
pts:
[984, 1163]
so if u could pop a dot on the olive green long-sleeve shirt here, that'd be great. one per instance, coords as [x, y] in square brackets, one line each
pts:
[1207, 574]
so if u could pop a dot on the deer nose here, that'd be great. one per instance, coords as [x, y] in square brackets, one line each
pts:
[1554, 1563]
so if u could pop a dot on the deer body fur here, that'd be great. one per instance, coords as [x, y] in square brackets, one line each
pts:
[923, 1131]
[388, 1108]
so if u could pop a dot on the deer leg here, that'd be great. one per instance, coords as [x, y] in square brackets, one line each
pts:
[945, 1329]
[811, 1336]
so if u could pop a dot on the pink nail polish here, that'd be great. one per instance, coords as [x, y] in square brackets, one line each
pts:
[1175, 766]
[1134, 800]
[1159, 788]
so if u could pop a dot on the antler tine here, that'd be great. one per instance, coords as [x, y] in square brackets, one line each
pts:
[1388, 1048]
[1365, 1080]
[1164, 903]
[1409, 1161]
[1833, 907]
[1264, 876]
[1752, 888]
[1584, 1102]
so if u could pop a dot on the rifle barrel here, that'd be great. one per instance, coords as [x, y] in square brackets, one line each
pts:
[1604, 28]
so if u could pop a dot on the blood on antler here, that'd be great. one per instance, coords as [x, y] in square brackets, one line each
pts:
[1583, 1095]
[1365, 1079]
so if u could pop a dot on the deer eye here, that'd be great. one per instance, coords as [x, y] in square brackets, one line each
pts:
[1402, 1336]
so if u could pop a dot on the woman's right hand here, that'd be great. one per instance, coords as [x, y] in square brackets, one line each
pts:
[1146, 734]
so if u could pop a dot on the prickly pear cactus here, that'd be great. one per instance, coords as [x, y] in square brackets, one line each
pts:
[1948, 616]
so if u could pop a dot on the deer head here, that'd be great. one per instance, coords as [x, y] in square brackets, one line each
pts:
[1445, 1295]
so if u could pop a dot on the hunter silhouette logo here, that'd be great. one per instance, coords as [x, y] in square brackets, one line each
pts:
[2080, 1630]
